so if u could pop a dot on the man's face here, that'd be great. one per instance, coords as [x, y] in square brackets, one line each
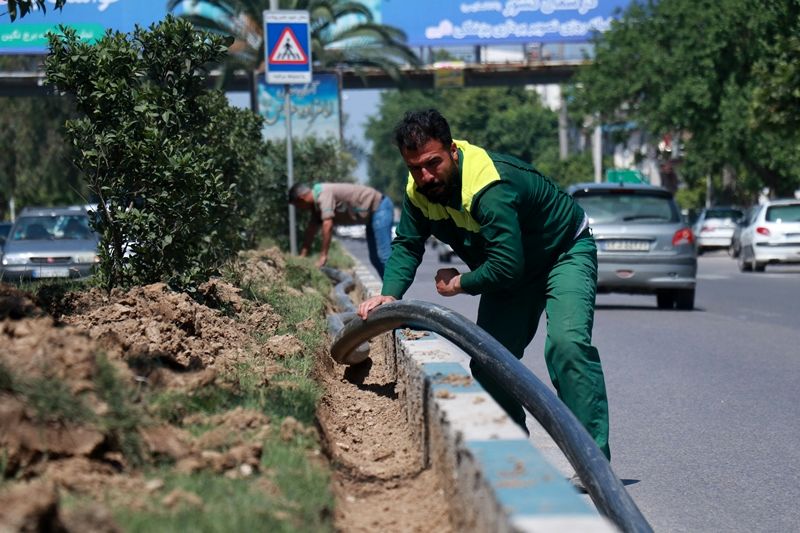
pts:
[305, 201]
[434, 168]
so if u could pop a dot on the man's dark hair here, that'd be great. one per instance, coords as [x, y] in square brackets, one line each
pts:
[419, 127]
[297, 190]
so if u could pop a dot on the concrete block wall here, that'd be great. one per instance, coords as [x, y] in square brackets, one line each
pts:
[495, 478]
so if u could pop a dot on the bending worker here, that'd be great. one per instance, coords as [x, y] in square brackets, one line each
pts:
[529, 249]
[346, 204]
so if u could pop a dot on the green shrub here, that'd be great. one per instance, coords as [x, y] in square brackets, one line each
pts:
[171, 164]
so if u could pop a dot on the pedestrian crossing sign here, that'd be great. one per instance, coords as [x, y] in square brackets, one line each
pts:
[287, 47]
[287, 51]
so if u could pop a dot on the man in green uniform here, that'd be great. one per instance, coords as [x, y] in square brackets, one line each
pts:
[529, 249]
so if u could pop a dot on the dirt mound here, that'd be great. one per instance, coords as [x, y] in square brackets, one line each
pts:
[16, 304]
[46, 369]
[30, 507]
[148, 336]
[261, 266]
[152, 323]
[218, 294]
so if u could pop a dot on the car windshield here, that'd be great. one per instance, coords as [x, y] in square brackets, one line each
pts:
[55, 227]
[609, 207]
[723, 214]
[783, 213]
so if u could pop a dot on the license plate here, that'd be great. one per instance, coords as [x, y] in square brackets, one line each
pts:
[50, 272]
[627, 246]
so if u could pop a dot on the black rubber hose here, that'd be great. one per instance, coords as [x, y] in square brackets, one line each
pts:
[605, 489]
[345, 283]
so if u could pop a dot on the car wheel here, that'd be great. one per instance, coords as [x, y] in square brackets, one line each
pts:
[744, 266]
[759, 266]
[684, 299]
[700, 250]
[665, 299]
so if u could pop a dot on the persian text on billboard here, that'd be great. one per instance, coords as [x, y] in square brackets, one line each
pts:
[500, 22]
[90, 18]
[315, 109]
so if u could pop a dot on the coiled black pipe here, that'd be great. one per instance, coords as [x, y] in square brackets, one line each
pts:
[345, 283]
[605, 489]
[337, 321]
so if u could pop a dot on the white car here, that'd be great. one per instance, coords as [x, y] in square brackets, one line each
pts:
[354, 231]
[771, 237]
[715, 227]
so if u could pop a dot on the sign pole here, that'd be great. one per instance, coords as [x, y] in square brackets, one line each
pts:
[290, 169]
[287, 46]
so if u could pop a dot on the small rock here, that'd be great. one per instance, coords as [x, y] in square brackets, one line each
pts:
[181, 497]
[153, 485]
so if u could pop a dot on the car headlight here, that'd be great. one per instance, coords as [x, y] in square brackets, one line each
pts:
[90, 258]
[14, 259]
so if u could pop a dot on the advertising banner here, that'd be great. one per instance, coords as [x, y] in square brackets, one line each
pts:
[497, 22]
[91, 18]
[316, 109]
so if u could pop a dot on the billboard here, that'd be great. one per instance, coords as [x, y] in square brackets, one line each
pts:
[496, 22]
[90, 18]
[316, 109]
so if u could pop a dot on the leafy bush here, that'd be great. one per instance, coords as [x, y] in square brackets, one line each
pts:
[169, 161]
[183, 180]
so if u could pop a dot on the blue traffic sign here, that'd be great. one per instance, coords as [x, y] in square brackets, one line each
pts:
[287, 47]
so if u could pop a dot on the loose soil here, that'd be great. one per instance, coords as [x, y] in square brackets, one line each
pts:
[381, 482]
[158, 340]
[154, 340]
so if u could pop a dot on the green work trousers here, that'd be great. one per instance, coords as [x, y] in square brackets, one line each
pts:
[567, 295]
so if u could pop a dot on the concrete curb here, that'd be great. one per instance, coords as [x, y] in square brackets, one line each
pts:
[497, 480]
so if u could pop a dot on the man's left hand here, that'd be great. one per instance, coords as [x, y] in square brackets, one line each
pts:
[448, 282]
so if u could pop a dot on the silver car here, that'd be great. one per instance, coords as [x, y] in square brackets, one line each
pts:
[643, 246]
[772, 236]
[49, 243]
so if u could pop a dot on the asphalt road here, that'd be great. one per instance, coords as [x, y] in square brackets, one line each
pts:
[705, 420]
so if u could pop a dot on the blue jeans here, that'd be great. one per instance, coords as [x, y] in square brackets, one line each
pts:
[379, 235]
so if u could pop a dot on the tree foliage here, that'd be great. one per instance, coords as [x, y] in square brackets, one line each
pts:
[506, 120]
[170, 163]
[35, 167]
[723, 74]
[20, 8]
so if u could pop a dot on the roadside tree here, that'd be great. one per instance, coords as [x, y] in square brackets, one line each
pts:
[20, 8]
[717, 74]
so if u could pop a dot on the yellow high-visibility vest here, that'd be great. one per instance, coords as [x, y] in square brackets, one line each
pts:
[477, 171]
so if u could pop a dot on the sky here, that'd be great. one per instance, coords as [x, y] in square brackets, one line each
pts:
[358, 105]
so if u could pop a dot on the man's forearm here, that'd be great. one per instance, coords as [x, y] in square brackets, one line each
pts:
[327, 233]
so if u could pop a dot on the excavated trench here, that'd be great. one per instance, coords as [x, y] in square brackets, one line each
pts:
[380, 478]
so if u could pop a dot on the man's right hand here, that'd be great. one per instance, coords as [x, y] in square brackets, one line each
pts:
[368, 305]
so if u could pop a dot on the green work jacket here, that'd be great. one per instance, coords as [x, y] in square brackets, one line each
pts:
[507, 222]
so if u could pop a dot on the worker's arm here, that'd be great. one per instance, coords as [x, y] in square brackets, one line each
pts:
[327, 233]
[408, 248]
[308, 237]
